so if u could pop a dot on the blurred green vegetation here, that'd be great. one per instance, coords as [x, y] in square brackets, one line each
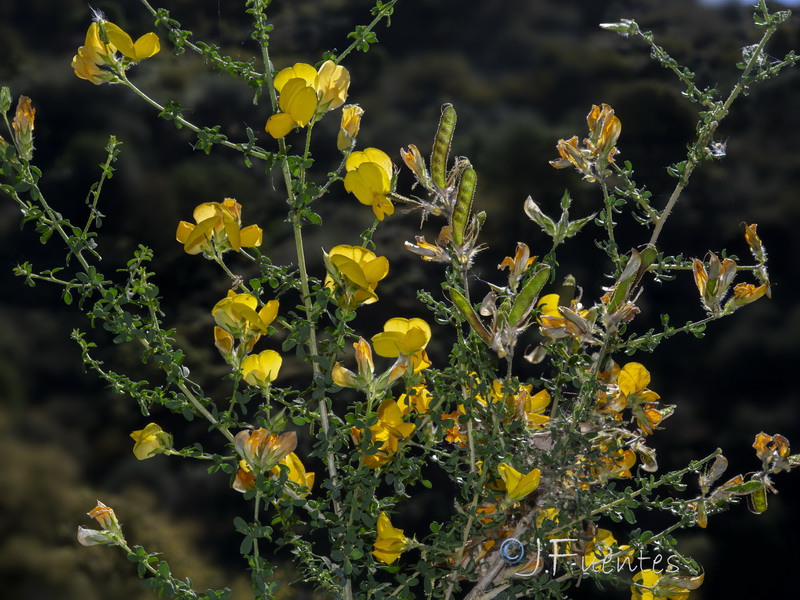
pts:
[522, 75]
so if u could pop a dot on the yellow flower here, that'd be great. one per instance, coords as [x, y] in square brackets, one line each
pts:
[346, 378]
[598, 150]
[23, 127]
[105, 516]
[713, 283]
[533, 407]
[386, 434]
[649, 585]
[600, 546]
[546, 514]
[604, 130]
[391, 541]
[298, 104]
[95, 53]
[365, 379]
[146, 46]
[245, 479]
[296, 473]
[369, 178]
[773, 451]
[262, 368]
[218, 229]
[523, 405]
[554, 322]
[571, 154]
[632, 381]
[351, 123]
[263, 450]
[236, 314]
[111, 533]
[304, 93]
[353, 275]
[518, 485]
[756, 246]
[332, 84]
[414, 161]
[745, 293]
[24, 117]
[150, 441]
[91, 56]
[518, 264]
[343, 377]
[614, 463]
[224, 341]
[402, 336]
[391, 417]
[457, 433]
[419, 400]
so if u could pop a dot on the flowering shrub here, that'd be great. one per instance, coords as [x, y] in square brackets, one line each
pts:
[539, 447]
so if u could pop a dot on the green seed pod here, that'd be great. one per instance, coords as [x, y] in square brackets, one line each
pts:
[465, 308]
[757, 501]
[631, 275]
[687, 582]
[441, 146]
[463, 207]
[526, 299]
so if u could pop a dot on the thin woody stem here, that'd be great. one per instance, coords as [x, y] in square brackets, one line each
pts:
[180, 119]
[693, 160]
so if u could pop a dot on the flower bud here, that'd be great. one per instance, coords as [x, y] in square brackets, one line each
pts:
[414, 161]
[343, 377]
[624, 27]
[364, 359]
[224, 343]
[351, 123]
[23, 127]
[5, 99]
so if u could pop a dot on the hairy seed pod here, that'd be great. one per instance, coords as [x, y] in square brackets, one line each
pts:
[631, 275]
[702, 515]
[526, 299]
[463, 207]
[441, 146]
[757, 501]
[465, 308]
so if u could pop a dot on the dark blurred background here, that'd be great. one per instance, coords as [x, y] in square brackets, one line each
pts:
[521, 74]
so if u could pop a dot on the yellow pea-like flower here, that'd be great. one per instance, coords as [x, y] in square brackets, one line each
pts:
[298, 103]
[391, 541]
[95, 53]
[306, 92]
[150, 441]
[348, 131]
[237, 314]
[402, 336]
[332, 84]
[262, 449]
[369, 179]
[217, 228]
[262, 368]
[353, 275]
[297, 472]
[518, 485]
[146, 46]
[648, 585]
